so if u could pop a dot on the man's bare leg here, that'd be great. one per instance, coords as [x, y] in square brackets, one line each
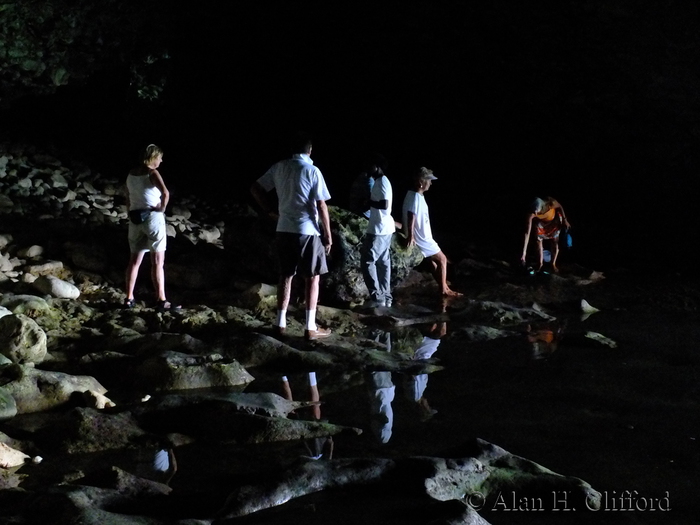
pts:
[312, 331]
[312, 284]
[284, 293]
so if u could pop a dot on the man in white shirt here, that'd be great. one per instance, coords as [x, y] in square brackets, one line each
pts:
[416, 223]
[375, 250]
[303, 229]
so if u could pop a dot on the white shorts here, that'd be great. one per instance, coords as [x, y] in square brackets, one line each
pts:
[150, 235]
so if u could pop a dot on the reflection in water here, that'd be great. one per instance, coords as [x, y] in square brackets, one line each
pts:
[544, 339]
[418, 383]
[381, 395]
[319, 447]
[382, 389]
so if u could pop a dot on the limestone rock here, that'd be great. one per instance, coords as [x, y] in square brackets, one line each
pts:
[97, 400]
[8, 406]
[29, 305]
[30, 251]
[46, 268]
[21, 339]
[85, 430]
[50, 285]
[177, 371]
[37, 390]
[9, 457]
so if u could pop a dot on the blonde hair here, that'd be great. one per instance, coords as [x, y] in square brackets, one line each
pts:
[151, 153]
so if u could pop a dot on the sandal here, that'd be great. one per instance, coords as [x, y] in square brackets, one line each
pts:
[167, 306]
[129, 303]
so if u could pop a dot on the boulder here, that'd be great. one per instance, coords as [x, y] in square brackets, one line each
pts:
[21, 339]
[8, 406]
[84, 430]
[29, 305]
[51, 285]
[31, 251]
[178, 371]
[38, 390]
[10, 457]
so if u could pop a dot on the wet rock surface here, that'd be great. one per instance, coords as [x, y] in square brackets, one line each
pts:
[113, 415]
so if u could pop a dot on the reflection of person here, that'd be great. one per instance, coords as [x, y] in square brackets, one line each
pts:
[548, 217]
[382, 391]
[381, 395]
[376, 244]
[416, 222]
[544, 340]
[303, 229]
[317, 447]
[418, 384]
[146, 200]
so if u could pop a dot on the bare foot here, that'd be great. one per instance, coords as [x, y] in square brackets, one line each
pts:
[451, 293]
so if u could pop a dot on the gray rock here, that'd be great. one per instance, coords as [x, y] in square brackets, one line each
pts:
[25, 304]
[47, 268]
[177, 371]
[84, 430]
[8, 406]
[209, 234]
[5, 238]
[38, 390]
[31, 251]
[501, 314]
[21, 339]
[50, 285]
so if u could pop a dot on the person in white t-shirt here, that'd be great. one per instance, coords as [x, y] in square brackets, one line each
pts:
[416, 223]
[375, 250]
[303, 229]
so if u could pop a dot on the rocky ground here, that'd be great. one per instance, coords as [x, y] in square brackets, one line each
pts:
[134, 416]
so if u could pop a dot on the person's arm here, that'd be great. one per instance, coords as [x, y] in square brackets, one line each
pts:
[562, 213]
[157, 181]
[410, 226]
[527, 236]
[325, 225]
[260, 196]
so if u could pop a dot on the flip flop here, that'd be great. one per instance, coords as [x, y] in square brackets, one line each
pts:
[128, 303]
[167, 306]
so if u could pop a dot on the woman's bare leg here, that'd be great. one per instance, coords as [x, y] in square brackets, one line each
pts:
[158, 274]
[132, 271]
[555, 254]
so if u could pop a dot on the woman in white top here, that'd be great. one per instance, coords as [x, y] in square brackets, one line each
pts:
[146, 199]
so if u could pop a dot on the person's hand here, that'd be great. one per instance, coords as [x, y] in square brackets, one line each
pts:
[327, 243]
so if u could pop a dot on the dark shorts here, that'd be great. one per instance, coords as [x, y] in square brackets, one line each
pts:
[300, 253]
